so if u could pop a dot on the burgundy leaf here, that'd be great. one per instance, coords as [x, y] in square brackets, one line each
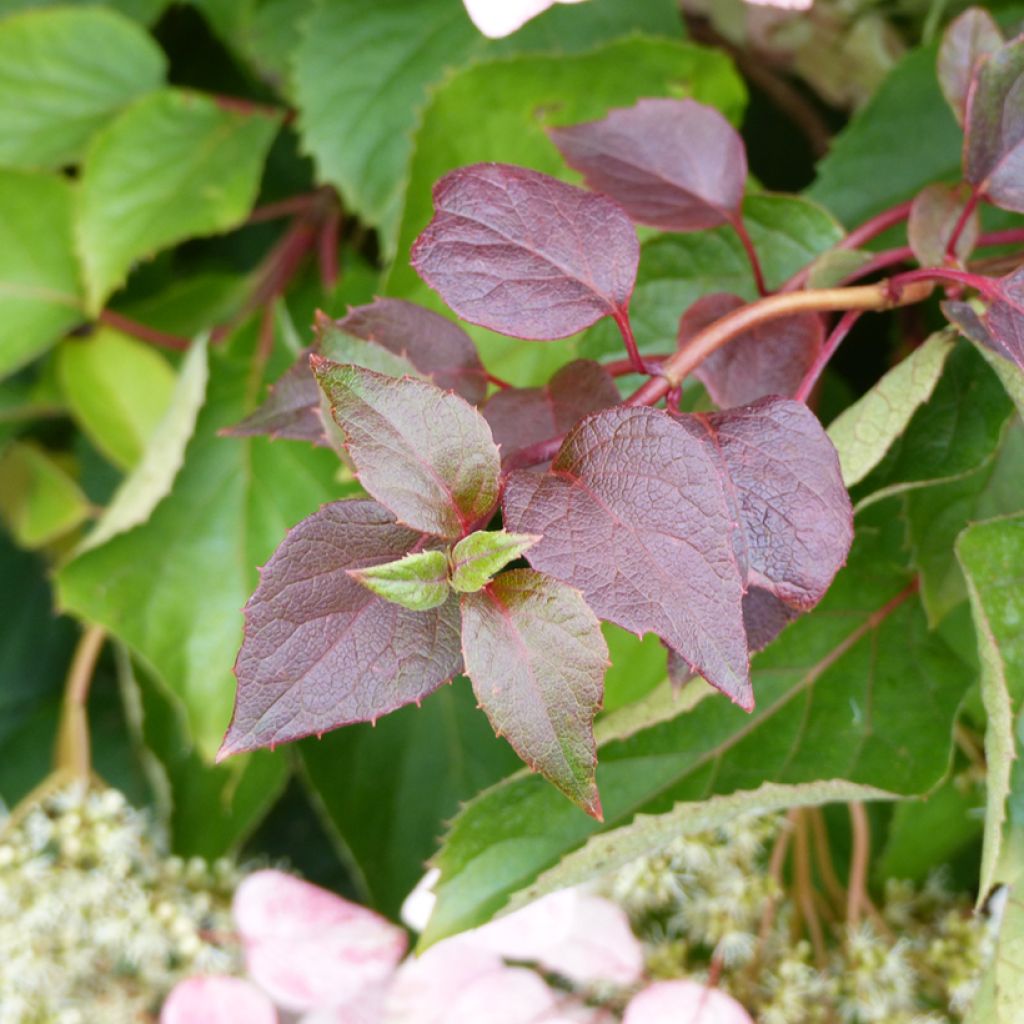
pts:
[525, 254]
[795, 515]
[677, 165]
[424, 453]
[439, 348]
[523, 416]
[537, 658]
[634, 512]
[934, 215]
[320, 650]
[765, 617]
[1001, 326]
[771, 359]
[291, 409]
[971, 36]
[994, 135]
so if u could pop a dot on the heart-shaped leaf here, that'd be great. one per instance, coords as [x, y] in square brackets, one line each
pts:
[523, 416]
[934, 215]
[320, 650]
[994, 132]
[424, 453]
[417, 581]
[525, 254]
[476, 558]
[535, 653]
[971, 36]
[769, 360]
[677, 165]
[634, 513]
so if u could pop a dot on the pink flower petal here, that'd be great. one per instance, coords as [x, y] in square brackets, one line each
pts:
[684, 1002]
[217, 999]
[583, 937]
[509, 995]
[309, 948]
[497, 18]
[366, 1008]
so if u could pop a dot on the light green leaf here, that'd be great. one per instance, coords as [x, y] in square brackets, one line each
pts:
[172, 166]
[992, 557]
[39, 500]
[142, 11]
[649, 833]
[151, 480]
[832, 268]
[417, 581]
[864, 432]
[117, 390]
[522, 97]
[363, 73]
[343, 347]
[64, 73]
[40, 295]
[173, 588]
[476, 558]
[832, 703]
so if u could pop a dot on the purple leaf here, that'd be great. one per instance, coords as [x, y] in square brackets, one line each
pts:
[994, 134]
[677, 165]
[439, 348]
[424, 453]
[1001, 326]
[771, 359]
[537, 658]
[934, 215]
[971, 36]
[519, 417]
[525, 254]
[765, 617]
[634, 512]
[320, 650]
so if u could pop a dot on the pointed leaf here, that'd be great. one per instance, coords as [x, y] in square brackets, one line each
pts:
[63, 74]
[934, 215]
[634, 513]
[476, 558]
[320, 650]
[535, 653]
[422, 452]
[968, 38]
[994, 132]
[768, 360]
[523, 416]
[438, 347]
[677, 165]
[417, 581]
[525, 254]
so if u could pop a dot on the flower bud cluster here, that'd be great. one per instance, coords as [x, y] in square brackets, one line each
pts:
[96, 923]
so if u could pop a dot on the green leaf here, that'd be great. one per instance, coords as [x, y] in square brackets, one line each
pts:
[649, 833]
[476, 558]
[209, 810]
[423, 453]
[676, 270]
[172, 166]
[535, 654]
[417, 581]
[864, 432]
[867, 167]
[173, 588]
[426, 759]
[523, 96]
[936, 515]
[1009, 373]
[39, 500]
[117, 390]
[63, 74]
[1009, 960]
[341, 347]
[992, 556]
[832, 704]
[142, 11]
[150, 482]
[363, 73]
[40, 295]
[956, 431]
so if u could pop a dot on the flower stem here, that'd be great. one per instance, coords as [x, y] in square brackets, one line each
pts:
[72, 755]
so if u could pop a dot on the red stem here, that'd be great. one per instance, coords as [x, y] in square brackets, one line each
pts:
[496, 381]
[985, 285]
[143, 332]
[828, 350]
[284, 208]
[748, 246]
[965, 215]
[621, 318]
[327, 249]
[622, 367]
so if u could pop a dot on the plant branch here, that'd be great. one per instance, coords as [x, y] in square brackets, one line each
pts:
[72, 754]
[142, 331]
[736, 223]
[828, 350]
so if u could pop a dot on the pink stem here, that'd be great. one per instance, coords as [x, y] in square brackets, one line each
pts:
[143, 332]
[828, 350]
[621, 317]
[965, 215]
[748, 246]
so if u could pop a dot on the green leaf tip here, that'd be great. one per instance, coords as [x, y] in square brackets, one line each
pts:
[417, 581]
[476, 558]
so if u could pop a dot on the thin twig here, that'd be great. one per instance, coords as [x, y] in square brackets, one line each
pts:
[143, 332]
[72, 755]
[828, 350]
[803, 886]
[748, 247]
[857, 891]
